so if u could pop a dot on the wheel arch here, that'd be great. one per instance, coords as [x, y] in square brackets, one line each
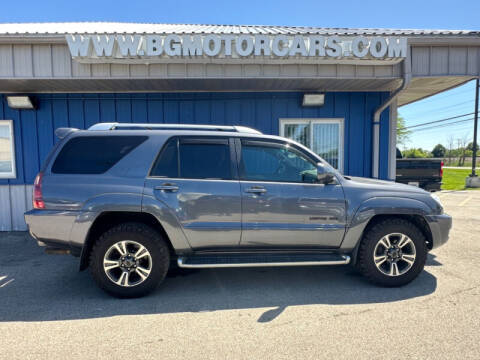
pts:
[109, 219]
[378, 209]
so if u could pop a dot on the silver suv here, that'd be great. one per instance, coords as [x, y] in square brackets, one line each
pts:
[133, 200]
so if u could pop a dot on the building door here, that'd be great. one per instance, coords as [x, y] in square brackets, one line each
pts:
[322, 136]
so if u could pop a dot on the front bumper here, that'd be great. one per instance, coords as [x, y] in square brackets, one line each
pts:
[440, 226]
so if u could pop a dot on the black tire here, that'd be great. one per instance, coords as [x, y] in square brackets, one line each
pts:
[366, 263]
[138, 233]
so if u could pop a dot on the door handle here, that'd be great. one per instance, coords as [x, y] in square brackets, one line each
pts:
[167, 187]
[256, 190]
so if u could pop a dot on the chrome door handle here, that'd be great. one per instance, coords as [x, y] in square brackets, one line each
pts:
[167, 187]
[256, 190]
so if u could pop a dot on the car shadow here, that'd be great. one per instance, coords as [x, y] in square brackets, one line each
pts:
[36, 287]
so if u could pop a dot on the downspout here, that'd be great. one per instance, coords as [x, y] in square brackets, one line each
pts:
[376, 115]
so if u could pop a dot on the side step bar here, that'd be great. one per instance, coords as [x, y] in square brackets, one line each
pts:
[253, 260]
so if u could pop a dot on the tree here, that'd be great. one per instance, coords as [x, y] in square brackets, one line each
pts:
[403, 135]
[416, 153]
[439, 151]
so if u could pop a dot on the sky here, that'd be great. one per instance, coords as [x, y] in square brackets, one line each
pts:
[417, 14]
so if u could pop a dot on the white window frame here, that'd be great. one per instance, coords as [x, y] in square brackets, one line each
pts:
[13, 173]
[310, 122]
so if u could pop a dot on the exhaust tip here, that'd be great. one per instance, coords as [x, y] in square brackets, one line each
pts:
[56, 251]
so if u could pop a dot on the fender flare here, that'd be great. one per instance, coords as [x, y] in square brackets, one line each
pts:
[372, 207]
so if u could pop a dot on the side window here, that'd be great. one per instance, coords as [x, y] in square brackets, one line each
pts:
[276, 163]
[7, 150]
[94, 154]
[204, 160]
[166, 164]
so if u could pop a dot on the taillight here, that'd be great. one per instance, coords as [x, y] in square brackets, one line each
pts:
[441, 169]
[37, 193]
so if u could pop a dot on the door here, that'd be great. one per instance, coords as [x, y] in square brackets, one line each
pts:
[196, 177]
[283, 205]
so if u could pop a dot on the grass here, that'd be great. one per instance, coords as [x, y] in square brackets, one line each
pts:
[454, 179]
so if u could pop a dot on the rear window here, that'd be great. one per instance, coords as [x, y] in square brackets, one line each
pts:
[94, 154]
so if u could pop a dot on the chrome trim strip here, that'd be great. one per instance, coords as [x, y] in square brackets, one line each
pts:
[345, 261]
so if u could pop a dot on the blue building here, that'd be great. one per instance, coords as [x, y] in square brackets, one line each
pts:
[334, 90]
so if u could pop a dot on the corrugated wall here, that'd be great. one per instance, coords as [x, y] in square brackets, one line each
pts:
[34, 130]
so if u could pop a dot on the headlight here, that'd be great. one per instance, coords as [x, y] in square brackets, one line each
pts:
[437, 200]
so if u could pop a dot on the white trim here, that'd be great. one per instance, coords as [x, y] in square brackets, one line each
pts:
[13, 173]
[310, 122]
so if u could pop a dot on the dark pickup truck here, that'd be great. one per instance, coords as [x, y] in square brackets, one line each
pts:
[425, 173]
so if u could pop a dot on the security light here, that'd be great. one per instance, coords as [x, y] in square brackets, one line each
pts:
[313, 99]
[20, 102]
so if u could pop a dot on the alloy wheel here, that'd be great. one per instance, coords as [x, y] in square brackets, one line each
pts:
[394, 254]
[127, 263]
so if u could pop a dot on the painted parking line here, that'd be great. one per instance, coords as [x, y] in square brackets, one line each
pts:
[465, 201]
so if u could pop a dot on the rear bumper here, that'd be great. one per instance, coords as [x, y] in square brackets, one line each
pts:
[52, 228]
[440, 226]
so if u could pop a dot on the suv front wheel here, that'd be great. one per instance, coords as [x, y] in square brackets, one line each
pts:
[129, 260]
[392, 252]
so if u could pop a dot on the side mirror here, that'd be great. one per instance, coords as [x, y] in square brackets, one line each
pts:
[324, 176]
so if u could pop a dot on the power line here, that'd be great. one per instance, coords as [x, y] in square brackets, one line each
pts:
[445, 107]
[435, 121]
[443, 125]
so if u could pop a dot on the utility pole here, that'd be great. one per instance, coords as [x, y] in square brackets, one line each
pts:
[475, 126]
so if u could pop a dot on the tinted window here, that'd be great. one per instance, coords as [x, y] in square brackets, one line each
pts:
[204, 161]
[166, 164]
[94, 154]
[276, 163]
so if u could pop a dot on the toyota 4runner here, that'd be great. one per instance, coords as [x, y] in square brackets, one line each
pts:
[132, 200]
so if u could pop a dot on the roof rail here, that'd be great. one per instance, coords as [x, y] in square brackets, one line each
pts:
[133, 126]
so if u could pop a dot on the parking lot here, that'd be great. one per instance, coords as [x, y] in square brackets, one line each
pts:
[50, 310]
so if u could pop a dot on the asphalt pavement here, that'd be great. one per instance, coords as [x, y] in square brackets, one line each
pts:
[48, 310]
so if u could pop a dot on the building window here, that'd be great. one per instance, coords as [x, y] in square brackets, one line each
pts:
[322, 136]
[7, 150]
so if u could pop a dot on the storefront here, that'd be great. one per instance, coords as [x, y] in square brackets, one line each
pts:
[334, 90]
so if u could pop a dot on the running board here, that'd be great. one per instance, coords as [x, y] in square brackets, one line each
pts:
[260, 260]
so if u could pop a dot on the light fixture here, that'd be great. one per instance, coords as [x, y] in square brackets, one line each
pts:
[313, 99]
[20, 102]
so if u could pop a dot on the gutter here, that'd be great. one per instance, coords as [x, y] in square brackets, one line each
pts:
[407, 75]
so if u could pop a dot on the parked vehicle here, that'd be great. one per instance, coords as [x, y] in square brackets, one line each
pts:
[424, 173]
[131, 200]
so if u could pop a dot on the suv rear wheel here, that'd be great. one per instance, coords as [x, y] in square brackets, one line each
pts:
[392, 253]
[129, 260]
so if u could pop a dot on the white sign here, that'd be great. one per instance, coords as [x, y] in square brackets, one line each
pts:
[235, 46]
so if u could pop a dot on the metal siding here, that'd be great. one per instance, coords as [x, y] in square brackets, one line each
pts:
[372, 101]
[42, 61]
[354, 135]
[5, 204]
[420, 60]
[439, 60]
[22, 57]
[6, 60]
[384, 141]
[19, 206]
[62, 62]
[457, 61]
[45, 129]
[30, 145]
[342, 110]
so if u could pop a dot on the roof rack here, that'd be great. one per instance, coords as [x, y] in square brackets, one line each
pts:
[132, 126]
